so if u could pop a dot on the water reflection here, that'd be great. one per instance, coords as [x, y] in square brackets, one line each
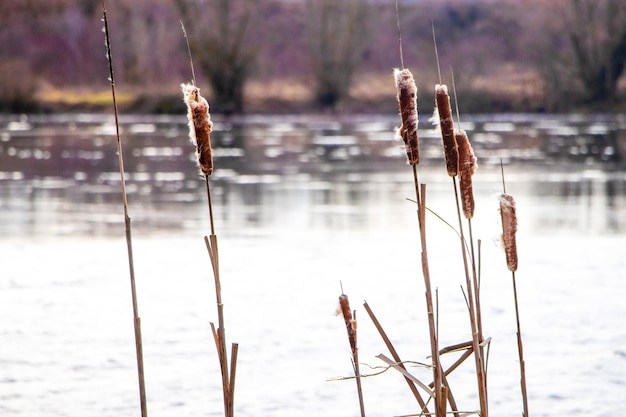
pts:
[59, 174]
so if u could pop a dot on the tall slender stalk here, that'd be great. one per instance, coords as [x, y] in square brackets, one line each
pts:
[508, 213]
[200, 127]
[454, 168]
[440, 389]
[473, 313]
[136, 319]
[407, 101]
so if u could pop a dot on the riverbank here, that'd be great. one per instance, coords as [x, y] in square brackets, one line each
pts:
[374, 93]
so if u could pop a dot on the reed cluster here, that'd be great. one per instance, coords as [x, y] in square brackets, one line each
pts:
[200, 127]
[436, 397]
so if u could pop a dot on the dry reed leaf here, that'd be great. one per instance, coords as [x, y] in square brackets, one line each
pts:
[200, 126]
[467, 167]
[442, 100]
[407, 99]
[509, 229]
[344, 305]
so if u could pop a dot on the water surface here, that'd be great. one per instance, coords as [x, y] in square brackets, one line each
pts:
[302, 203]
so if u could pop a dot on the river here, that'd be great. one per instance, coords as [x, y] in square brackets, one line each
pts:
[303, 205]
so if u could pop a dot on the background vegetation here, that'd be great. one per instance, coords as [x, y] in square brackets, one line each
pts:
[292, 56]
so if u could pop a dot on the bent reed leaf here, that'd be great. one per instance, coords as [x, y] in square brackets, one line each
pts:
[407, 100]
[200, 126]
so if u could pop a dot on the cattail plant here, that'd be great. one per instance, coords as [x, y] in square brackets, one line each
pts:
[200, 127]
[508, 213]
[444, 110]
[350, 320]
[467, 167]
[407, 99]
[451, 154]
[509, 229]
[129, 243]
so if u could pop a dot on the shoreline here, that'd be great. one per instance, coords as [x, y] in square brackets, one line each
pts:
[372, 94]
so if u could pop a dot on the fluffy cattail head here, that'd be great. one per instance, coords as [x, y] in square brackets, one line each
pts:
[344, 305]
[442, 101]
[200, 126]
[467, 167]
[509, 228]
[407, 99]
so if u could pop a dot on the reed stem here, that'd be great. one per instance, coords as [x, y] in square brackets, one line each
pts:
[127, 223]
[520, 349]
[472, 301]
[357, 374]
[440, 391]
[208, 192]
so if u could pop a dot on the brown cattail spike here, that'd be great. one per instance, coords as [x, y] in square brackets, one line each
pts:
[344, 304]
[442, 100]
[509, 228]
[467, 167]
[407, 99]
[200, 126]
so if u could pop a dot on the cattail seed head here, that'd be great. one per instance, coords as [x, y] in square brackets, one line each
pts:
[407, 99]
[509, 228]
[344, 305]
[467, 167]
[442, 101]
[200, 126]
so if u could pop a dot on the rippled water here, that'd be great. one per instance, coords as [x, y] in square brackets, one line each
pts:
[302, 203]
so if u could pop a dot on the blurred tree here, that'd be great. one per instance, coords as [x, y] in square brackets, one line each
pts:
[581, 50]
[337, 40]
[597, 34]
[218, 32]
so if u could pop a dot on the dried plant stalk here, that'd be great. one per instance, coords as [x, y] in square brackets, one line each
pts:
[200, 126]
[442, 100]
[467, 167]
[127, 222]
[509, 229]
[350, 320]
[396, 358]
[407, 99]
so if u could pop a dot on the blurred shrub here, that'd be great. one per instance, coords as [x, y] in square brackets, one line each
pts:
[18, 87]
